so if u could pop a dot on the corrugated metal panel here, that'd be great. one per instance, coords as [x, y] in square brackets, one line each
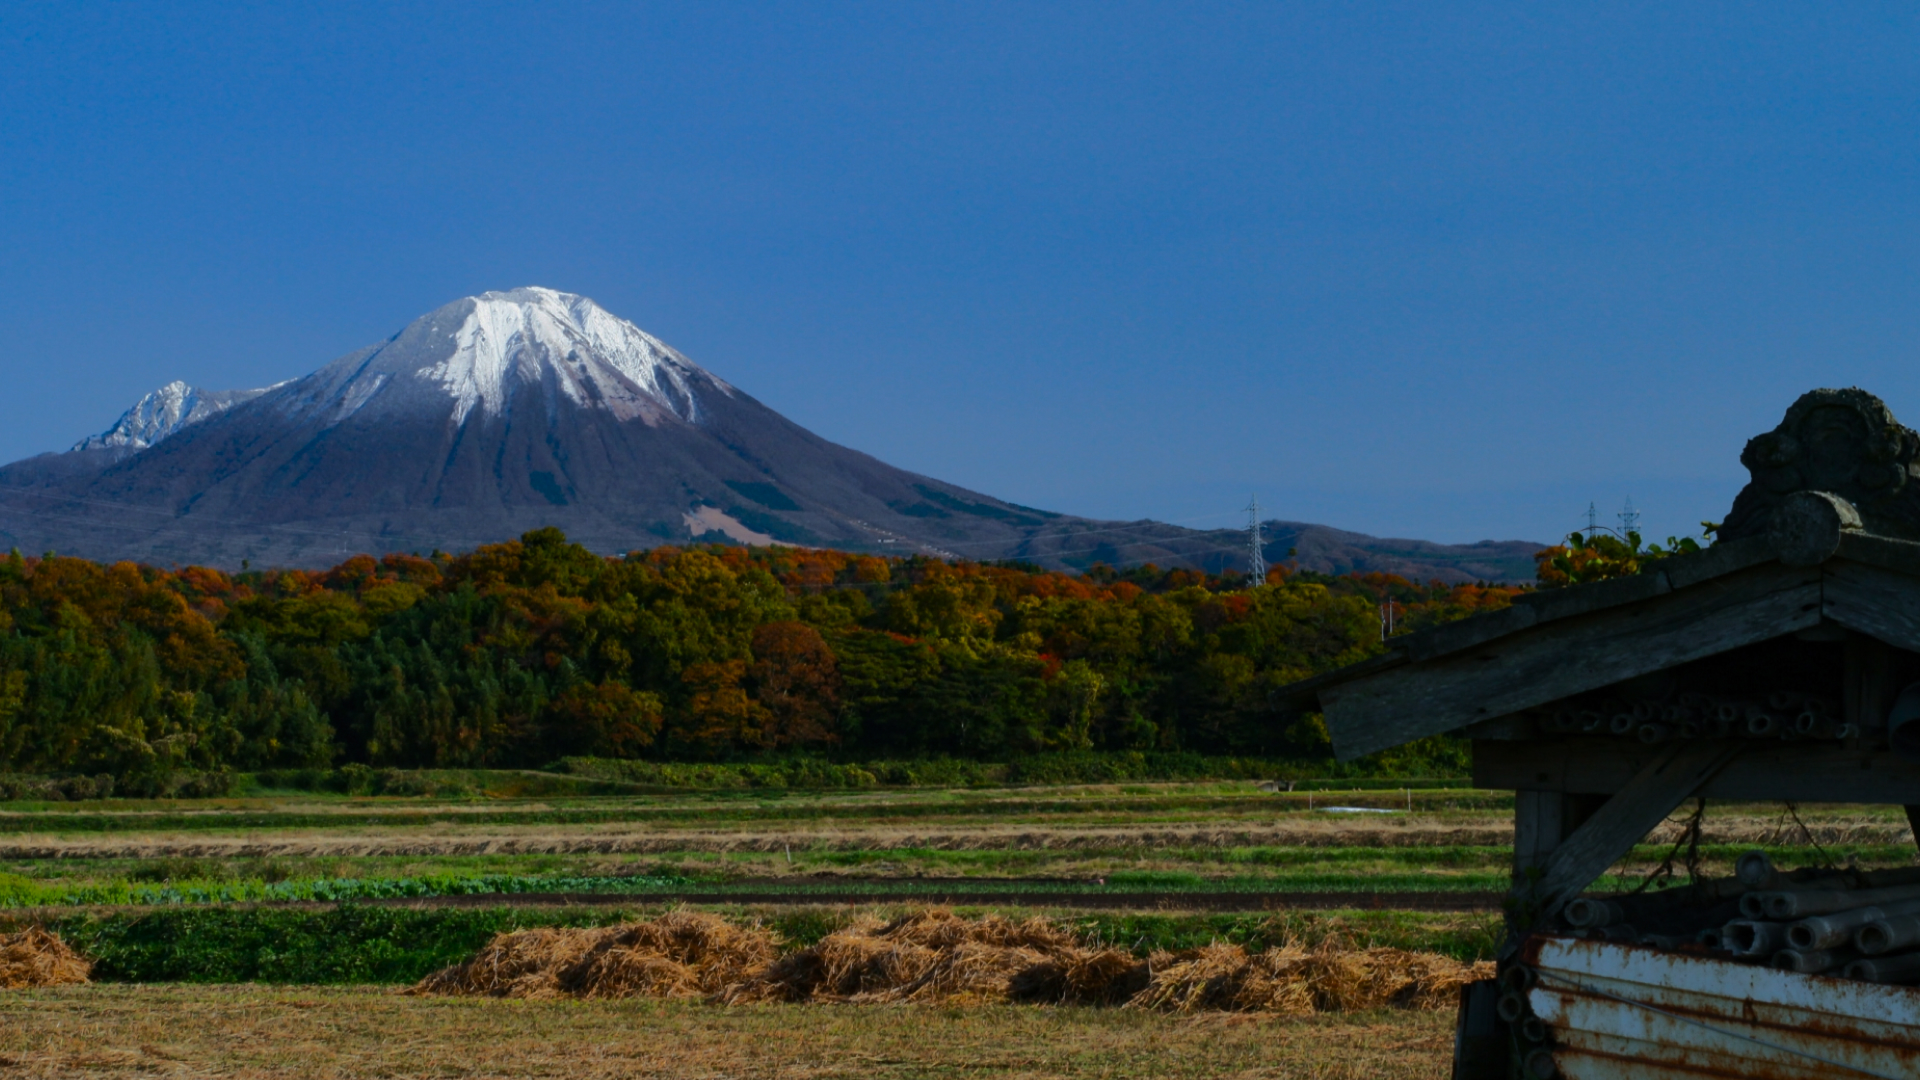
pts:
[1627, 1011]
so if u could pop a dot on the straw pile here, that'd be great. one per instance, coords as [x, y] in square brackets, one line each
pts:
[929, 956]
[1293, 980]
[936, 956]
[34, 957]
[679, 954]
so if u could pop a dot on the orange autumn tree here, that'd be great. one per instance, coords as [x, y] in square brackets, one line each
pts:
[797, 679]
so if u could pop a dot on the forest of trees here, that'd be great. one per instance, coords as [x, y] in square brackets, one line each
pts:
[519, 654]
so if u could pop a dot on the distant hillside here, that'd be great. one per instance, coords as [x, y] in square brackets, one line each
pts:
[1078, 544]
[1335, 551]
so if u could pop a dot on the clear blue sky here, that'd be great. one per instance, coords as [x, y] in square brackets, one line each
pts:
[1436, 270]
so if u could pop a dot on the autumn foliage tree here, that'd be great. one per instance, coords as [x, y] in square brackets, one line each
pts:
[796, 678]
[1598, 556]
[521, 653]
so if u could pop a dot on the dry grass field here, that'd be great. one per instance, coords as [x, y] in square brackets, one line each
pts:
[263, 1032]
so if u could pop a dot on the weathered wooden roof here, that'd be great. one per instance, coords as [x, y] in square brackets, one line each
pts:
[1816, 564]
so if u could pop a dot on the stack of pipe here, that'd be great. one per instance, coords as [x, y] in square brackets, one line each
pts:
[1778, 715]
[1853, 924]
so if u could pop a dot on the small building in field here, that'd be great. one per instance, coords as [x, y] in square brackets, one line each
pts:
[1781, 663]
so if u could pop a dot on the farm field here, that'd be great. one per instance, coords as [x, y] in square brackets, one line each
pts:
[1130, 843]
[272, 934]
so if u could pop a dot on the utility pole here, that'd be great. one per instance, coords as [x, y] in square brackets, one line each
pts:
[1256, 558]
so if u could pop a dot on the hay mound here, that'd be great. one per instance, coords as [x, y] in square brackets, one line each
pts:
[34, 957]
[936, 956]
[1082, 977]
[1293, 980]
[679, 954]
[523, 963]
[931, 955]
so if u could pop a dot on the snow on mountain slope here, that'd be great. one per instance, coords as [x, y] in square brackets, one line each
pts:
[163, 412]
[477, 354]
[596, 358]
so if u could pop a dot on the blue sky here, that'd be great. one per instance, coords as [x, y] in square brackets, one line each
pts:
[1447, 271]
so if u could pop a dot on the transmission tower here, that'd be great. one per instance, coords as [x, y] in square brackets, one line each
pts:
[1256, 558]
[1629, 519]
[1593, 521]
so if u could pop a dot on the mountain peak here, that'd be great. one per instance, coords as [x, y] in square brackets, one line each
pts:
[481, 349]
[473, 358]
[163, 412]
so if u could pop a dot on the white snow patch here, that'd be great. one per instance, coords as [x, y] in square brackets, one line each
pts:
[356, 394]
[164, 412]
[596, 359]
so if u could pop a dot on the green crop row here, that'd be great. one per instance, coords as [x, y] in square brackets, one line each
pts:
[1083, 767]
[18, 892]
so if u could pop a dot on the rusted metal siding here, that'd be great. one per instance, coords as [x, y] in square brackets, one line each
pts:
[1628, 1011]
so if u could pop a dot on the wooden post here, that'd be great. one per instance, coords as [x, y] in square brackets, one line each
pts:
[1868, 689]
[1539, 824]
[1542, 821]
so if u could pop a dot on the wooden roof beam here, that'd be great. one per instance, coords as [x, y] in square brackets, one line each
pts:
[1570, 656]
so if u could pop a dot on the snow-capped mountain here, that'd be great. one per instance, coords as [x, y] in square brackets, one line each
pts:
[510, 411]
[490, 416]
[163, 412]
[479, 354]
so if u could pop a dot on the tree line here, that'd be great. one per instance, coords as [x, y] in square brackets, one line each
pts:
[521, 653]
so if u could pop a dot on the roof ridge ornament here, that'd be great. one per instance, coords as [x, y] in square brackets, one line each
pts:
[1806, 526]
[1844, 444]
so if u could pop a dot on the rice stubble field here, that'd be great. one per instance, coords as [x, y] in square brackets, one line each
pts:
[325, 1032]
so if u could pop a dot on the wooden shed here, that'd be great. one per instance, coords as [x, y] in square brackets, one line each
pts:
[1781, 663]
